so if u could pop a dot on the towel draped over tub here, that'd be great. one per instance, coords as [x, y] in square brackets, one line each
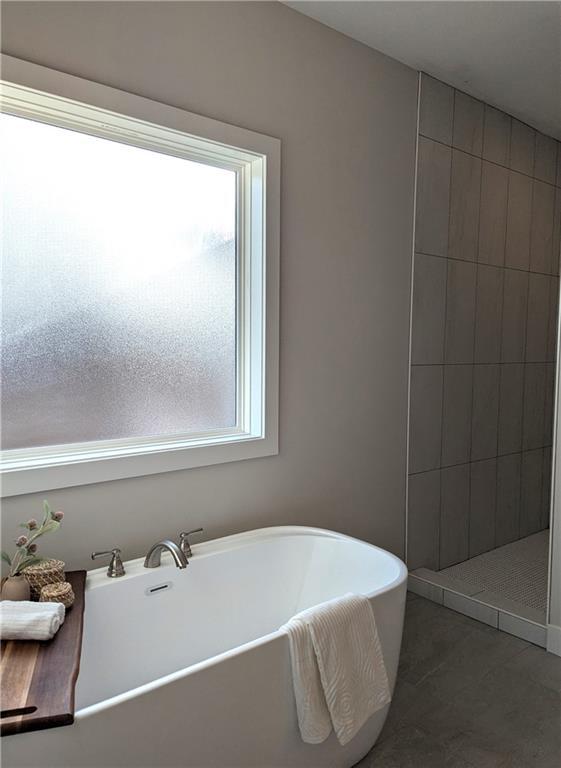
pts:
[338, 669]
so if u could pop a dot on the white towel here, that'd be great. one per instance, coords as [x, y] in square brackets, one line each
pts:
[25, 620]
[338, 670]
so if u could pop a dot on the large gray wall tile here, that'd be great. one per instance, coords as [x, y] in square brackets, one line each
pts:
[549, 403]
[465, 187]
[515, 308]
[425, 417]
[454, 515]
[538, 318]
[534, 406]
[423, 520]
[541, 230]
[558, 175]
[429, 302]
[556, 237]
[552, 318]
[522, 148]
[510, 407]
[531, 494]
[483, 497]
[546, 488]
[460, 312]
[519, 216]
[483, 333]
[509, 470]
[433, 197]
[468, 124]
[492, 215]
[436, 110]
[484, 424]
[546, 158]
[488, 314]
[496, 135]
[456, 414]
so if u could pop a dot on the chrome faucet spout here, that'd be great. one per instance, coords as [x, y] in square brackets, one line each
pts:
[154, 556]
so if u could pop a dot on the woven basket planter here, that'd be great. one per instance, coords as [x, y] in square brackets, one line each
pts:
[47, 572]
[57, 593]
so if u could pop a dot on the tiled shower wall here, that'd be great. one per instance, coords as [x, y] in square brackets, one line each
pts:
[484, 322]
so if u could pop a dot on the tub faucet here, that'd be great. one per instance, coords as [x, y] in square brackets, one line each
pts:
[153, 558]
[116, 567]
[184, 544]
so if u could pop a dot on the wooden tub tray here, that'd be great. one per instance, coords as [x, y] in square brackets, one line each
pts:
[38, 679]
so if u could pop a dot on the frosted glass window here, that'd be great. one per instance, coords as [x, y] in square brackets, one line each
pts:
[119, 290]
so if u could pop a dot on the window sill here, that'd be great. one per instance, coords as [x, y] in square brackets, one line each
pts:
[30, 476]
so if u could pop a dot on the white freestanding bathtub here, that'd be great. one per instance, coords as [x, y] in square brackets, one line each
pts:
[188, 667]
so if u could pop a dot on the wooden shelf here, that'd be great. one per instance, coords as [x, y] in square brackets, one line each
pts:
[38, 678]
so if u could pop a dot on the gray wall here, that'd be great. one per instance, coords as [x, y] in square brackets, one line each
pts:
[346, 116]
[483, 328]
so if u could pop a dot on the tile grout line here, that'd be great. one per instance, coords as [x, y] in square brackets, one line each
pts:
[501, 370]
[497, 266]
[521, 491]
[478, 461]
[494, 162]
[476, 304]
[506, 362]
[550, 310]
[440, 520]
[444, 346]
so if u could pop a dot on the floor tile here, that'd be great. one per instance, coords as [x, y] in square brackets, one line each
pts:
[468, 696]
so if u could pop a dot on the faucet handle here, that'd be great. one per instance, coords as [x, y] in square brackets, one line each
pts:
[116, 567]
[184, 541]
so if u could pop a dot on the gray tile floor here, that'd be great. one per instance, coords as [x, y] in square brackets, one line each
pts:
[468, 696]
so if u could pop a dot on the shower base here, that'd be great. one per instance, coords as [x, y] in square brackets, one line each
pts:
[506, 587]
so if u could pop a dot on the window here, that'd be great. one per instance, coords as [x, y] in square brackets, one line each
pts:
[139, 260]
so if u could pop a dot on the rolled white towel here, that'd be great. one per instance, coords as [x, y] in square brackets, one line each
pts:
[25, 620]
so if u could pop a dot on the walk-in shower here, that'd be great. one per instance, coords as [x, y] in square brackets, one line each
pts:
[484, 320]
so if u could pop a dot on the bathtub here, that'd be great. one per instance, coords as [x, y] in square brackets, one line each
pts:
[189, 668]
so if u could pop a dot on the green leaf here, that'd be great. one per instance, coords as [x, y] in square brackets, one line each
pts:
[31, 560]
[52, 525]
[47, 510]
[6, 557]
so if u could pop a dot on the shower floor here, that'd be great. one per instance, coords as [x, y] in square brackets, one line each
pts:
[506, 587]
[516, 572]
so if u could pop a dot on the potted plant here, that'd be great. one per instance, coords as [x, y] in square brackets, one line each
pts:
[16, 587]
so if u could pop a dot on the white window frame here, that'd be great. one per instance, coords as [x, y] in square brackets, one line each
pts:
[42, 94]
